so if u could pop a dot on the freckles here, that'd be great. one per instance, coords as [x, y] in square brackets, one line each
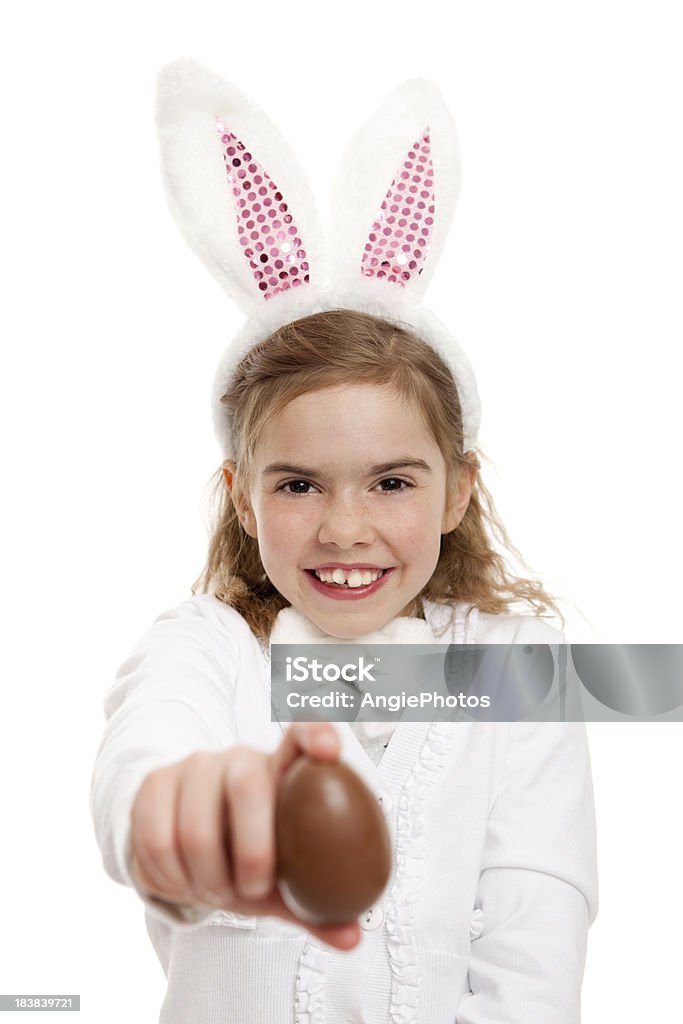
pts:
[285, 538]
[413, 541]
[296, 519]
[290, 527]
[420, 539]
[405, 537]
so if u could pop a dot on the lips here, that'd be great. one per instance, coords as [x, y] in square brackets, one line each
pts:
[347, 566]
[349, 577]
[346, 593]
[353, 575]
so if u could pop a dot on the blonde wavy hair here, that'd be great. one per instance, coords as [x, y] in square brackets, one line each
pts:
[342, 346]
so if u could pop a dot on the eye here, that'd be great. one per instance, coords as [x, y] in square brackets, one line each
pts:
[395, 480]
[299, 487]
[293, 484]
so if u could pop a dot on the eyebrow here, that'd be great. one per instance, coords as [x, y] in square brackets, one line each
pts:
[382, 467]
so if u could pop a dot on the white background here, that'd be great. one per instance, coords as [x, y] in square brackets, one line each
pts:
[561, 277]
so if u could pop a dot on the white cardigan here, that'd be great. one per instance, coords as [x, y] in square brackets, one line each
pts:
[494, 883]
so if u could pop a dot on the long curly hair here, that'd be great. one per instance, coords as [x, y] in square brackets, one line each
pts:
[342, 346]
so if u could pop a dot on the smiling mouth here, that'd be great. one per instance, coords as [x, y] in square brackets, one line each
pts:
[351, 579]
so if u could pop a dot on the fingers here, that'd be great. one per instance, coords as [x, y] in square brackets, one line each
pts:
[250, 791]
[202, 819]
[153, 844]
[317, 739]
[341, 936]
[203, 830]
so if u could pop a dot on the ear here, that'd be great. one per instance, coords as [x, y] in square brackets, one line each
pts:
[456, 508]
[395, 194]
[235, 189]
[239, 500]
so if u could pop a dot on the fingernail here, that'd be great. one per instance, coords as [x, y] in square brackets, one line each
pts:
[326, 741]
[256, 889]
[213, 899]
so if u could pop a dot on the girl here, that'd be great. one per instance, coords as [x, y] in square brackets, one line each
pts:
[350, 510]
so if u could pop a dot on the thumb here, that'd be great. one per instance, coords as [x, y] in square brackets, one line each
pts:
[317, 739]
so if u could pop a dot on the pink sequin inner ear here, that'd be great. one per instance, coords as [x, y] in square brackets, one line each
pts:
[397, 244]
[268, 236]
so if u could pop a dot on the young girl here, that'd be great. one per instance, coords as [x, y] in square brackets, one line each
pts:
[350, 510]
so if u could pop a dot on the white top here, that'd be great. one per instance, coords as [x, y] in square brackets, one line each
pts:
[373, 744]
[494, 881]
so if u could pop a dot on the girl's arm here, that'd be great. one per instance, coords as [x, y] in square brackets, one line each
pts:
[172, 697]
[538, 890]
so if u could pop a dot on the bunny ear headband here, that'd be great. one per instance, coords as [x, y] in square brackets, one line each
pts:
[242, 202]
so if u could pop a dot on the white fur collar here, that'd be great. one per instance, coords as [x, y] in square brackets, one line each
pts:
[292, 627]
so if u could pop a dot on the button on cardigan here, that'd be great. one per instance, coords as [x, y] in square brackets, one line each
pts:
[494, 882]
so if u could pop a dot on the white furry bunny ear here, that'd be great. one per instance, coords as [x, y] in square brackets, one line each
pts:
[235, 189]
[395, 193]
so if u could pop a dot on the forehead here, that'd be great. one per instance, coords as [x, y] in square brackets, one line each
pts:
[354, 425]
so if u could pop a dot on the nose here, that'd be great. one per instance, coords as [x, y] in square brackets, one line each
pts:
[345, 522]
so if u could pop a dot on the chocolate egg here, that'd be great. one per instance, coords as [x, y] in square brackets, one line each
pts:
[333, 846]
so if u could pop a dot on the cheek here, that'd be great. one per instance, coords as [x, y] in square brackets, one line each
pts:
[415, 532]
[411, 532]
[417, 543]
[282, 525]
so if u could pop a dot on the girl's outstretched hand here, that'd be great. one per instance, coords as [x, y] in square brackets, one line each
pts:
[203, 830]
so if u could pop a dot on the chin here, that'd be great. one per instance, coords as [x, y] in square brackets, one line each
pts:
[351, 630]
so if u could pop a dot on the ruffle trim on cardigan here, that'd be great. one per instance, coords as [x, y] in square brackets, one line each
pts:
[410, 852]
[309, 998]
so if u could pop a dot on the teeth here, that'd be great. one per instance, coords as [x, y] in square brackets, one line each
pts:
[352, 578]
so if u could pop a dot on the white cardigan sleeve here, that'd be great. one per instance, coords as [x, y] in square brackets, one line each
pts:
[172, 696]
[538, 889]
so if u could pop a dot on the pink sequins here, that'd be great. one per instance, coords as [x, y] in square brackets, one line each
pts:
[397, 244]
[267, 233]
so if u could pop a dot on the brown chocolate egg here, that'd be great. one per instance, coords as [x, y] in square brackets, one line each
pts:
[333, 846]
